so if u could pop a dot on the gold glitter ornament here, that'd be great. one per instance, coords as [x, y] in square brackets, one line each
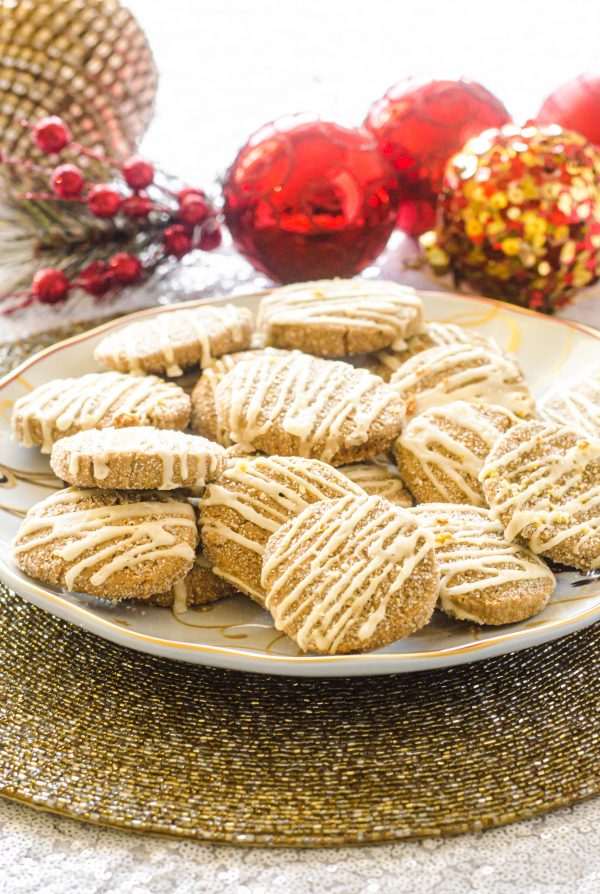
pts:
[518, 217]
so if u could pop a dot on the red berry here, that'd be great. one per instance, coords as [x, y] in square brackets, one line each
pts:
[96, 278]
[138, 172]
[51, 134]
[67, 181]
[50, 285]
[210, 238]
[136, 206]
[189, 191]
[193, 210]
[177, 240]
[125, 268]
[103, 200]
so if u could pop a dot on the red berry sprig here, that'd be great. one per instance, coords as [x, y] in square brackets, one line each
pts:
[139, 208]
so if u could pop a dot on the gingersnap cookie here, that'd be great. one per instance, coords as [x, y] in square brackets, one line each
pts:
[350, 575]
[137, 459]
[440, 453]
[576, 404]
[297, 405]
[462, 372]
[200, 586]
[250, 501]
[483, 578]
[63, 407]
[542, 481]
[113, 544]
[170, 342]
[336, 317]
[385, 363]
[378, 477]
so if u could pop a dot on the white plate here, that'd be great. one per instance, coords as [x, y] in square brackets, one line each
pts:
[235, 633]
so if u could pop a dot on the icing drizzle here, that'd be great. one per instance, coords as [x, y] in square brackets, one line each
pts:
[576, 404]
[434, 335]
[379, 478]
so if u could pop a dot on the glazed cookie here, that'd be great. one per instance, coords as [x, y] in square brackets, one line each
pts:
[378, 477]
[384, 363]
[113, 544]
[250, 501]
[170, 342]
[137, 459]
[201, 586]
[484, 578]
[462, 372]
[440, 453]
[577, 405]
[336, 317]
[543, 483]
[63, 407]
[296, 405]
[350, 575]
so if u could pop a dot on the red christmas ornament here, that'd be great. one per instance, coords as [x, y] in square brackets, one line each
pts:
[418, 125]
[138, 172]
[189, 191]
[193, 209]
[136, 206]
[103, 201]
[306, 199]
[575, 106]
[96, 278]
[51, 134]
[67, 181]
[125, 268]
[50, 286]
[177, 241]
[210, 238]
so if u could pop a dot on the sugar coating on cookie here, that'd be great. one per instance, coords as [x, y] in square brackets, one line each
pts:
[297, 405]
[348, 575]
[462, 372]
[542, 482]
[378, 477]
[483, 577]
[335, 317]
[200, 586]
[440, 452]
[250, 501]
[113, 544]
[137, 459]
[170, 342]
[576, 404]
[63, 407]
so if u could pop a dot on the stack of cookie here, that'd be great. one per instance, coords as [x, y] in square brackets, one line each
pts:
[311, 437]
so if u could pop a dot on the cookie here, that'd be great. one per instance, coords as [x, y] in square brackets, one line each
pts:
[440, 453]
[201, 586]
[484, 578]
[336, 317]
[137, 459]
[170, 342]
[204, 419]
[462, 372]
[542, 482]
[576, 404]
[249, 502]
[297, 405]
[63, 407]
[113, 544]
[384, 363]
[378, 477]
[350, 575]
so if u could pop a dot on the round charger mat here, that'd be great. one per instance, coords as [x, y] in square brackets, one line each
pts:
[117, 737]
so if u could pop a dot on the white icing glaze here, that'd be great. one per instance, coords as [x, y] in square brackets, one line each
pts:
[463, 372]
[544, 489]
[115, 543]
[434, 335]
[387, 308]
[84, 403]
[180, 597]
[576, 404]
[325, 404]
[337, 585]
[379, 478]
[425, 438]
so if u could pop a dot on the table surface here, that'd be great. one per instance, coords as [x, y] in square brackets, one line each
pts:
[226, 68]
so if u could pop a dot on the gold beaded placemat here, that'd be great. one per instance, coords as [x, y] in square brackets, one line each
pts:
[111, 736]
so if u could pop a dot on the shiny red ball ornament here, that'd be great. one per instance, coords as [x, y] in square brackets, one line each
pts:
[136, 206]
[67, 181]
[50, 285]
[189, 191]
[96, 278]
[306, 199]
[575, 106]
[103, 200]
[51, 134]
[193, 209]
[177, 240]
[125, 268]
[138, 172]
[210, 238]
[419, 125]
